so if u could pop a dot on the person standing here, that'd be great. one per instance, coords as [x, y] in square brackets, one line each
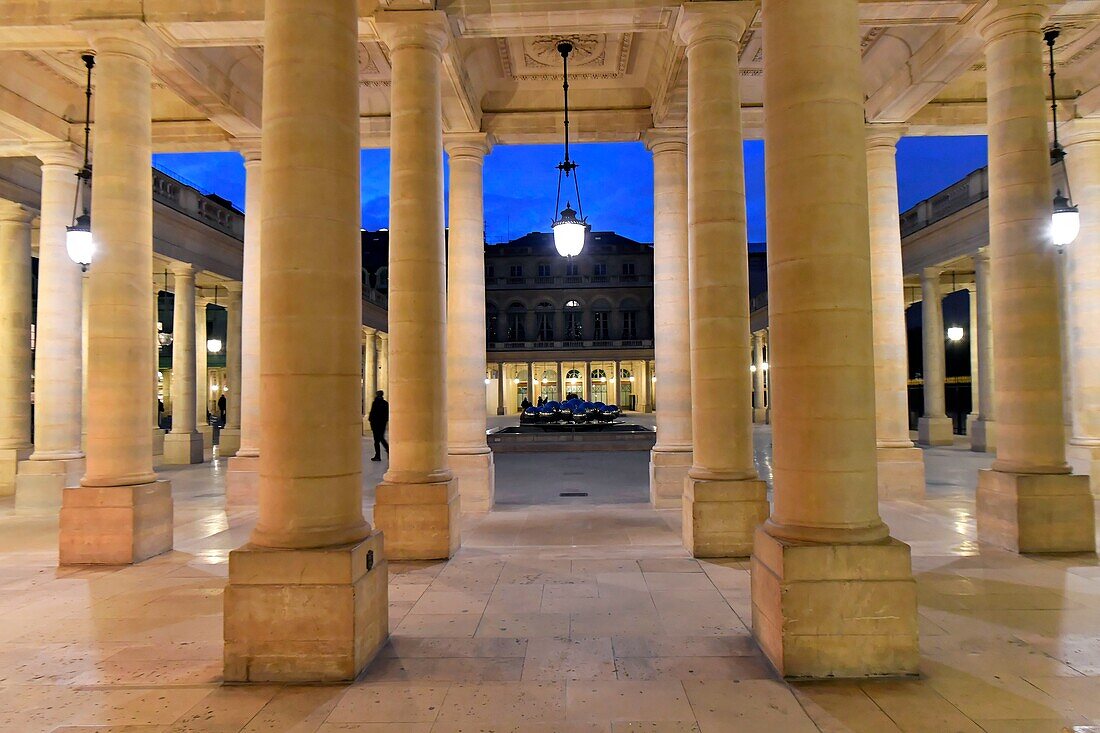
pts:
[378, 417]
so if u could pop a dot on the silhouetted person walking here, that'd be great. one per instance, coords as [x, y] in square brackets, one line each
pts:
[378, 417]
[222, 402]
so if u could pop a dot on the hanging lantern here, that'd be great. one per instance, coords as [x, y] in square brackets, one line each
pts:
[570, 228]
[78, 238]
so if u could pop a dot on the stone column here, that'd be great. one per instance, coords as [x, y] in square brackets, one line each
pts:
[468, 452]
[417, 503]
[825, 546]
[759, 403]
[934, 427]
[184, 445]
[1083, 266]
[370, 373]
[384, 362]
[982, 433]
[158, 434]
[972, 340]
[500, 388]
[120, 514]
[306, 599]
[724, 499]
[229, 442]
[900, 463]
[1028, 501]
[242, 477]
[202, 379]
[670, 458]
[58, 459]
[15, 341]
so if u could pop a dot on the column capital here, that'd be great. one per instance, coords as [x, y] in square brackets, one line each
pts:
[131, 38]
[1013, 16]
[13, 212]
[383, 335]
[182, 269]
[884, 136]
[931, 273]
[427, 29]
[714, 20]
[665, 140]
[982, 255]
[474, 145]
[369, 332]
[1080, 131]
[248, 147]
[233, 286]
[62, 155]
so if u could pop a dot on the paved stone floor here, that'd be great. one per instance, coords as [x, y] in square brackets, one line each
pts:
[552, 619]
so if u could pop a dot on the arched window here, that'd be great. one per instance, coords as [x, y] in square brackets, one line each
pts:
[544, 321]
[574, 330]
[517, 322]
[599, 375]
[492, 322]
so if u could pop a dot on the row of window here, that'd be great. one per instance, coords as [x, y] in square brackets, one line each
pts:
[571, 269]
[574, 328]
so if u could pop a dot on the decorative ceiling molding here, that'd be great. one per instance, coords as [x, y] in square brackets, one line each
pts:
[595, 56]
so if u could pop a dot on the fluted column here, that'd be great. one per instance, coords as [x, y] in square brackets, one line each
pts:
[311, 541]
[468, 453]
[982, 432]
[724, 499]
[370, 373]
[934, 427]
[202, 379]
[1027, 501]
[229, 440]
[825, 503]
[417, 504]
[243, 477]
[671, 457]
[121, 513]
[15, 340]
[759, 403]
[1082, 138]
[183, 445]
[900, 463]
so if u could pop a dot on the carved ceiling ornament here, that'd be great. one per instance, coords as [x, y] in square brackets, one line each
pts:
[536, 58]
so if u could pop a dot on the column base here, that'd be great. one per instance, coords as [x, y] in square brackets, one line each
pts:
[207, 433]
[158, 447]
[10, 458]
[982, 435]
[39, 484]
[1036, 513]
[900, 473]
[1085, 460]
[760, 415]
[721, 516]
[242, 481]
[182, 449]
[420, 521]
[932, 431]
[835, 610]
[476, 476]
[317, 615]
[229, 442]
[668, 469]
[115, 525]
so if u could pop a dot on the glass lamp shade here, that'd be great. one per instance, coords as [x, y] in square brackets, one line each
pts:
[955, 333]
[1065, 222]
[79, 243]
[214, 345]
[165, 339]
[569, 233]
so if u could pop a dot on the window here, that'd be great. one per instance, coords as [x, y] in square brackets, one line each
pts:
[573, 329]
[572, 304]
[544, 322]
[544, 269]
[515, 271]
[601, 325]
[628, 268]
[489, 270]
[492, 321]
[630, 324]
[600, 269]
[517, 326]
[571, 269]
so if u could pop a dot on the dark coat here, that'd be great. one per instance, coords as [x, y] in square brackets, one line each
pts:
[379, 415]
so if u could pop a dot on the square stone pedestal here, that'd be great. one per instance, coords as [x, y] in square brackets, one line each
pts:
[760, 415]
[667, 472]
[982, 435]
[9, 466]
[824, 611]
[317, 615]
[242, 481]
[207, 433]
[229, 442]
[1085, 460]
[932, 431]
[115, 525]
[720, 517]
[39, 484]
[420, 521]
[158, 447]
[900, 473]
[1036, 512]
[182, 449]
[476, 476]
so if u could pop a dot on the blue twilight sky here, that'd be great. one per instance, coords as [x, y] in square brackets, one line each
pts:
[616, 182]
